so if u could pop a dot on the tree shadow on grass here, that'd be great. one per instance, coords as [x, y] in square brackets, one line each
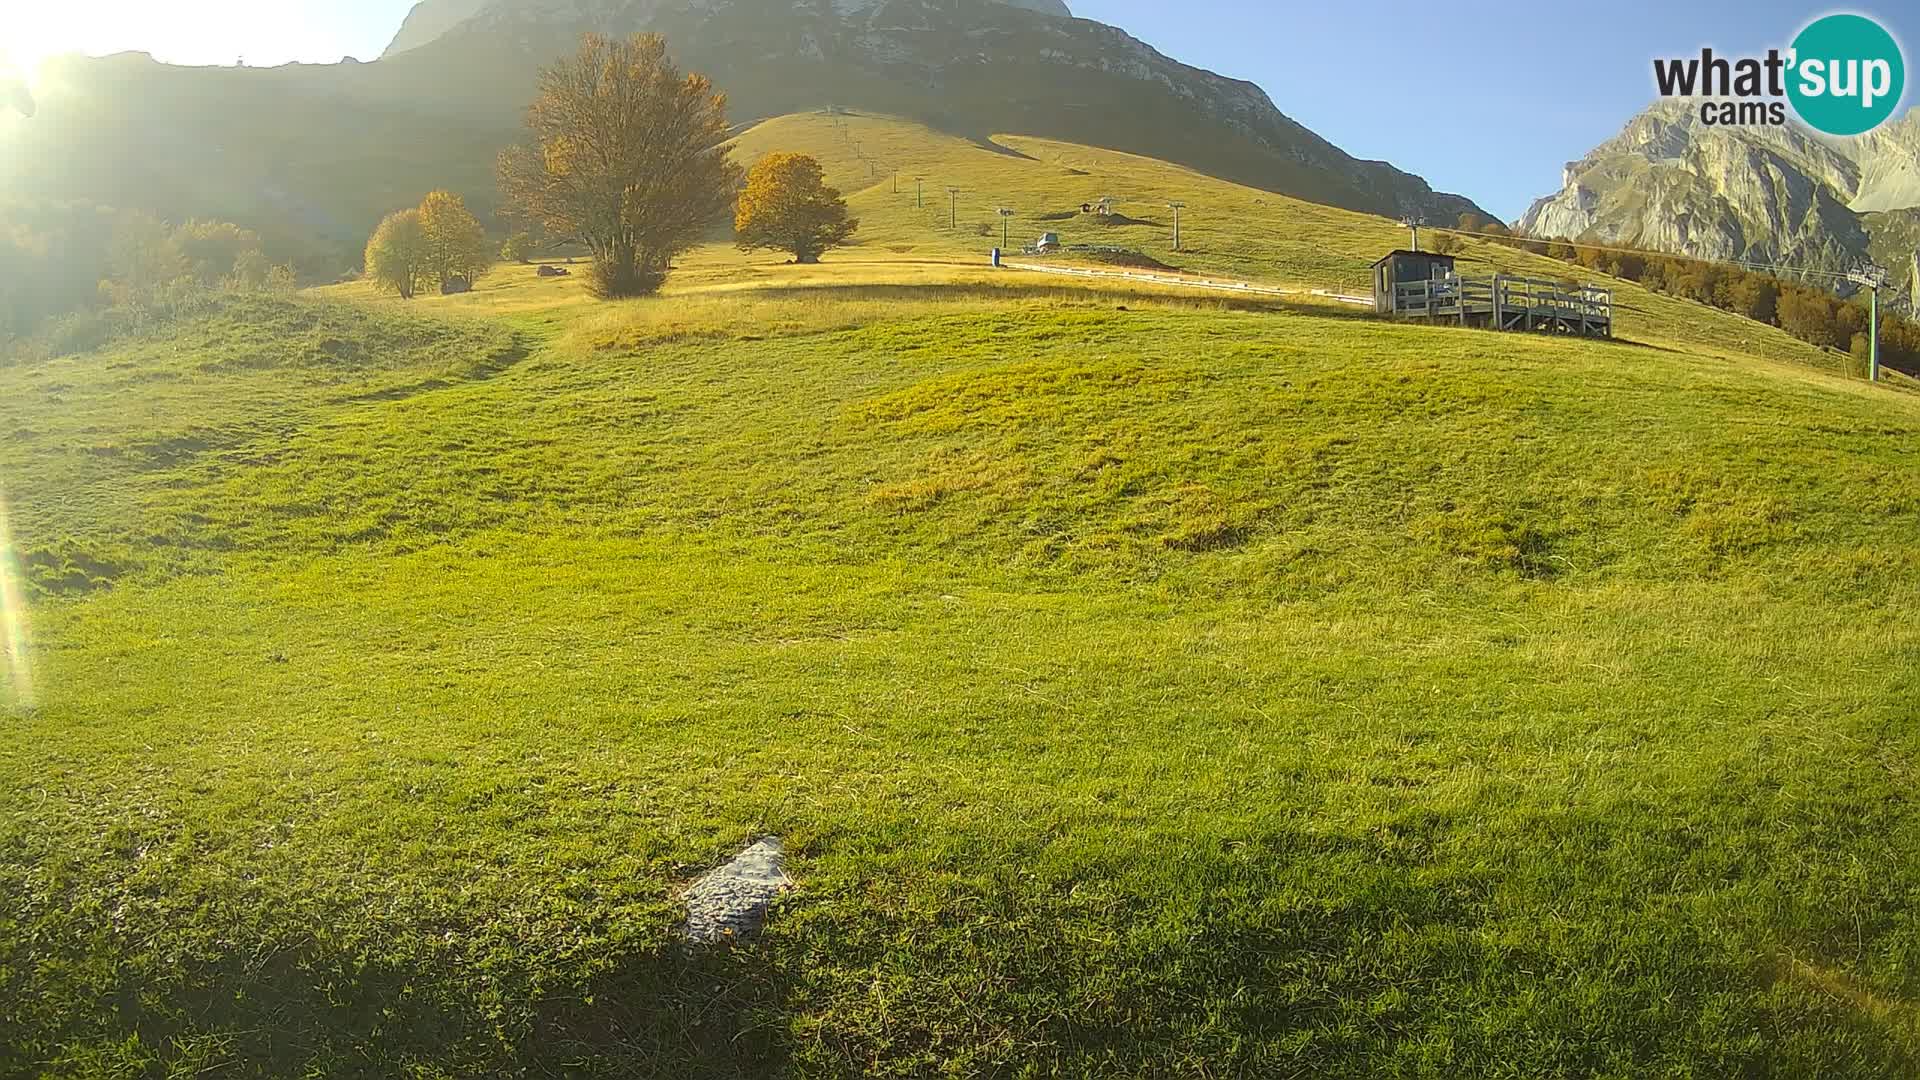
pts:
[1277, 951]
[664, 1011]
[683, 1012]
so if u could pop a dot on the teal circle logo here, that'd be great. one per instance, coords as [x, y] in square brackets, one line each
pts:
[1848, 75]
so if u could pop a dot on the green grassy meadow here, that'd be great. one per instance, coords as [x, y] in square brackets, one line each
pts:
[1145, 684]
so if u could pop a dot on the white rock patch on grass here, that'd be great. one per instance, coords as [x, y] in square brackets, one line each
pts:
[731, 903]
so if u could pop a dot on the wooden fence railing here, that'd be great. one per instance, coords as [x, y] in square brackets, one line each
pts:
[1505, 302]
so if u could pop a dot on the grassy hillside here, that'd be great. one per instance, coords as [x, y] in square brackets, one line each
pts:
[1144, 683]
[1227, 229]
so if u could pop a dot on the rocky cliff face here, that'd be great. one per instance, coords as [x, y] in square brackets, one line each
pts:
[1889, 161]
[976, 67]
[1782, 195]
[429, 21]
[432, 19]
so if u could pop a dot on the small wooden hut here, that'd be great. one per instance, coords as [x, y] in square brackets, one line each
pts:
[1406, 267]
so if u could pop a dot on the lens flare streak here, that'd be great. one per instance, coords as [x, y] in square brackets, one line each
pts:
[13, 618]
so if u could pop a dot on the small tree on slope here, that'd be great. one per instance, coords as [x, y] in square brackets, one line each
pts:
[397, 253]
[456, 244]
[787, 206]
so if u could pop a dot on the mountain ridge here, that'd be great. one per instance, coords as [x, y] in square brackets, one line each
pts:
[1668, 182]
[978, 66]
[429, 20]
[326, 149]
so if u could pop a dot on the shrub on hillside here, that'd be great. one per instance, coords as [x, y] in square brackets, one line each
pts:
[78, 332]
[74, 276]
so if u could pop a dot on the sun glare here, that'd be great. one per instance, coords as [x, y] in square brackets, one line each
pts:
[27, 41]
[13, 620]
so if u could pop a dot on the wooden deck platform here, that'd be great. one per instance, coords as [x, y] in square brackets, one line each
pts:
[1504, 302]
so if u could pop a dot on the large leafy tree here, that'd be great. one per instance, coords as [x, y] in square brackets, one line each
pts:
[397, 253]
[456, 244]
[628, 158]
[789, 207]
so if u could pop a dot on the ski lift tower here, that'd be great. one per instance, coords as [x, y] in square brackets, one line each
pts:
[1872, 278]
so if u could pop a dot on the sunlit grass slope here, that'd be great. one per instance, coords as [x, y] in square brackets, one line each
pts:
[1228, 230]
[1143, 686]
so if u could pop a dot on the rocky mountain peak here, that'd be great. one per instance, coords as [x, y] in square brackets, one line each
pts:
[973, 67]
[1671, 182]
[429, 20]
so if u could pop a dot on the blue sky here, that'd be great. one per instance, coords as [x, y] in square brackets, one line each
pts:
[1574, 87]
[1346, 70]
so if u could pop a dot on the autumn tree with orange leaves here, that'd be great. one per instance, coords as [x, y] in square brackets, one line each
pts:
[789, 207]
